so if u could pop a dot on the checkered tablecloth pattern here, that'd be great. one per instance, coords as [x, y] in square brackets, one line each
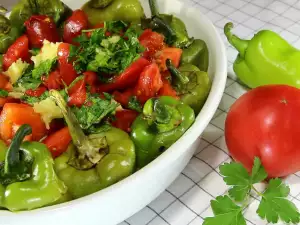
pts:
[187, 200]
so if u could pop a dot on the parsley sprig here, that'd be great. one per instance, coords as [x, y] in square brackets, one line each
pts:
[274, 205]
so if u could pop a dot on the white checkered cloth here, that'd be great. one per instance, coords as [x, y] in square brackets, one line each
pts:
[187, 200]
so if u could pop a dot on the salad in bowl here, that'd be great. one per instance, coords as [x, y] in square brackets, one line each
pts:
[91, 96]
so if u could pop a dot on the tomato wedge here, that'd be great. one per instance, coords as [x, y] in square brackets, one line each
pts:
[54, 80]
[124, 119]
[168, 53]
[149, 83]
[58, 142]
[152, 41]
[19, 49]
[167, 90]
[14, 115]
[123, 97]
[128, 78]
[36, 92]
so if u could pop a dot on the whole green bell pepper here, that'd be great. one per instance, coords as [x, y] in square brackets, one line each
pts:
[194, 92]
[100, 3]
[265, 59]
[24, 9]
[27, 177]
[163, 121]
[8, 34]
[197, 54]
[125, 10]
[93, 162]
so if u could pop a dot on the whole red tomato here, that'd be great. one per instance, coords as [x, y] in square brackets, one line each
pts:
[265, 123]
[40, 28]
[74, 25]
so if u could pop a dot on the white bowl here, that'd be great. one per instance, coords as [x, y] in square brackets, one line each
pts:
[120, 201]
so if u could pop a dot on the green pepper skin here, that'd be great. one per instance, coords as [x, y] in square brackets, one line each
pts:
[113, 167]
[126, 10]
[1, 62]
[150, 142]
[196, 91]
[197, 54]
[8, 34]
[24, 9]
[265, 59]
[100, 3]
[40, 190]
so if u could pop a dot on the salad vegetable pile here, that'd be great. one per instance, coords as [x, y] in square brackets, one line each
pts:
[90, 96]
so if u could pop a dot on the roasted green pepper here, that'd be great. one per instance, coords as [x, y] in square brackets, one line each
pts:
[125, 10]
[163, 121]
[93, 162]
[265, 59]
[26, 8]
[172, 27]
[27, 177]
[195, 92]
[8, 33]
[196, 54]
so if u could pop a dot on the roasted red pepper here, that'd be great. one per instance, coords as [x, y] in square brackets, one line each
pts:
[58, 142]
[74, 25]
[127, 79]
[19, 49]
[40, 28]
[124, 119]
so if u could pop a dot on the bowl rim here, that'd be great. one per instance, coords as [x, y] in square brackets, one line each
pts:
[174, 152]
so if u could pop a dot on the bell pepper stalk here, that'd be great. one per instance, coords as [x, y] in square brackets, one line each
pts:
[89, 153]
[93, 162]
[195, 92]
[163, 121]
[27, 179]
[174, 72]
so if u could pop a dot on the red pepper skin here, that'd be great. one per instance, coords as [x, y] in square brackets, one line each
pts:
[36, 92]
[66, 69]
[40, 28]
[77, 94]
[74, 25]
[265, 123]
[124, 119]
[58, 142]
[127, 79]
[18, 50]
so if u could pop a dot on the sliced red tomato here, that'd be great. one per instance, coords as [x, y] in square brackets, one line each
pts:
[168, 53]
[74, 25]
[15, 115]
[123, 97]
[19, 49]
[149, 83]
[124, 119]
[152, 41]
[167, 90]
[128, 78]
[58, 142]
[36, 92]
[40, 28]
[66, 69]
[3, 101]
[77, 94]
[91, 79]
[54, 80]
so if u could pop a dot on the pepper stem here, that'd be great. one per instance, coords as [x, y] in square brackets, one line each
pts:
[240, 44]
[13, 153]
[176, 73]
[88, 153]
[154, 7]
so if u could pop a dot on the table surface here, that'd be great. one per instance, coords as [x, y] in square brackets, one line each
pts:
[187, 200]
